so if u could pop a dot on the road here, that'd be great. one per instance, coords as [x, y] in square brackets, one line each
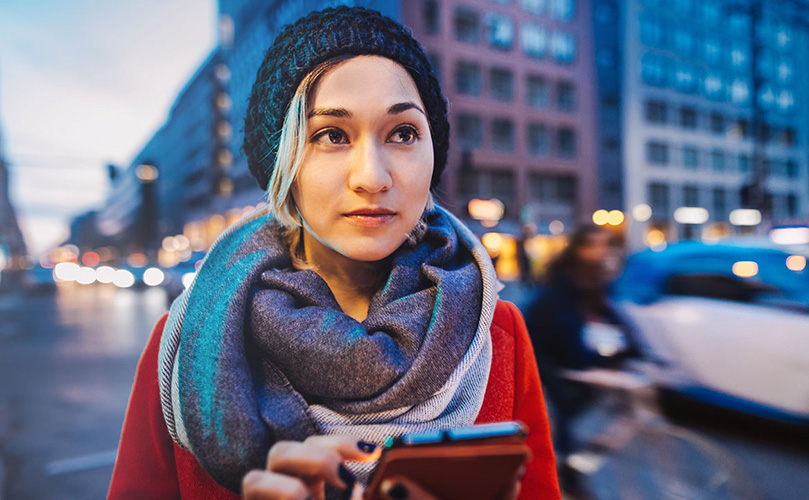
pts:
[67, 361]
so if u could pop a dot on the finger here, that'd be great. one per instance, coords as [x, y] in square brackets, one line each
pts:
[311, 462]
[349, 447]
[265, 485]
[399, 488]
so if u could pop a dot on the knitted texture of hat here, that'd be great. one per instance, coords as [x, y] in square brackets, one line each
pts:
[318, 37]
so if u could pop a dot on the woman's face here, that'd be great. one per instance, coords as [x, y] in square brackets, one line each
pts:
[595, 249]
[366, 173]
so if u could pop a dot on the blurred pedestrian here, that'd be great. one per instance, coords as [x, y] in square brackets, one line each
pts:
[573, 325]
[350, 309]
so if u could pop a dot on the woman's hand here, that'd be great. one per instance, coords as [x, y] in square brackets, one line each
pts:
[299, 470]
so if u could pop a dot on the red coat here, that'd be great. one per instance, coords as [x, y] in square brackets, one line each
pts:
[151, 466]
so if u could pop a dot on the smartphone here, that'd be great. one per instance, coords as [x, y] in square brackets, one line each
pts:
[478, 462]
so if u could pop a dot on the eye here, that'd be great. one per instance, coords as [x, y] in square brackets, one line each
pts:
[330, 136]
[404, 135]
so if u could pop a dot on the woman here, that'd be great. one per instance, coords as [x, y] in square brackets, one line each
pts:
[574, 325]
[349, 310]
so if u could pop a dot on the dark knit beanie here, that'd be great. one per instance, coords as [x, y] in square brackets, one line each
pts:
[314, 39]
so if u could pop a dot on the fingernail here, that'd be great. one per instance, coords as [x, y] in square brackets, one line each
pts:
[366, 447]
[347, 477]
[396, 491]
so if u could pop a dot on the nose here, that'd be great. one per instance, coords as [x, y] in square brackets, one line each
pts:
[369, 168]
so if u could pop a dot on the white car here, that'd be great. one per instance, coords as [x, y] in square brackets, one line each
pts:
[732, 322]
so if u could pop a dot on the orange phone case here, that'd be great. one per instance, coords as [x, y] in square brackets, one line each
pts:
[454, 471]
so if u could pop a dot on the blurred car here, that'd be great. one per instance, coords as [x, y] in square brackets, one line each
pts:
[731, 321]
[39, 279]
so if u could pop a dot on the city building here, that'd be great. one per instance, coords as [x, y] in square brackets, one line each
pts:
[519, 76]
[13, 252]
[520, 79]
[704, 102]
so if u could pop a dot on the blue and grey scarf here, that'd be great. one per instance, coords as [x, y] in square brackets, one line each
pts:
[255, 351]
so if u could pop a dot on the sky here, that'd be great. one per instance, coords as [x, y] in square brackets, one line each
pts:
[85, 83]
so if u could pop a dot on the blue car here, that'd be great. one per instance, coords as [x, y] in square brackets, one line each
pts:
[732, 321]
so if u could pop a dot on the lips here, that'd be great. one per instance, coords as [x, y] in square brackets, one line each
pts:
[370, 216]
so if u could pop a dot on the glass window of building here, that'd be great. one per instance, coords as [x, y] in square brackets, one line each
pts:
[712, 50]
[683, 8]
[688, 117]
[739, 56]
[656, 111]
[785, 100]
[430, 14]
[502, 84]
[718, 160]
[792, 169]
[766, 96]
[470, 131]
[690, 157]
[566, 142]
[502, 2]
[744, 163]
[658, 194]
[657, 153]
[787, 136]
[717, 122]
[739, 24]
[654, 70]
[563, 10]
[533, 39]
[739, 91]
[720, 203]
[565, 96]
[539, 139]
[652, 32]
[712, 12]
[783, 37]
[537, 7]
[499, 31]
[467, 25]
[713, 86]
[502, 186]
[683, 41]
[563, 46]
[685, 78]
[503, 134]
[792, 205]
[536, 91]
[552, 189]
[784, 71]
[690, 196]
[741, 128]
[468, 80]
[491, 184]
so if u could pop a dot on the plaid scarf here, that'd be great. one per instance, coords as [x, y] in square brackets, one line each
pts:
[255, 351]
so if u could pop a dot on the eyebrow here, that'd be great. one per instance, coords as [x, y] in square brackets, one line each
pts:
[397, 108]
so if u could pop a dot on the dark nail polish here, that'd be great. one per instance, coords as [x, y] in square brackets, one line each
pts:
[347, 477]
[366, 447]
[398, 492]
